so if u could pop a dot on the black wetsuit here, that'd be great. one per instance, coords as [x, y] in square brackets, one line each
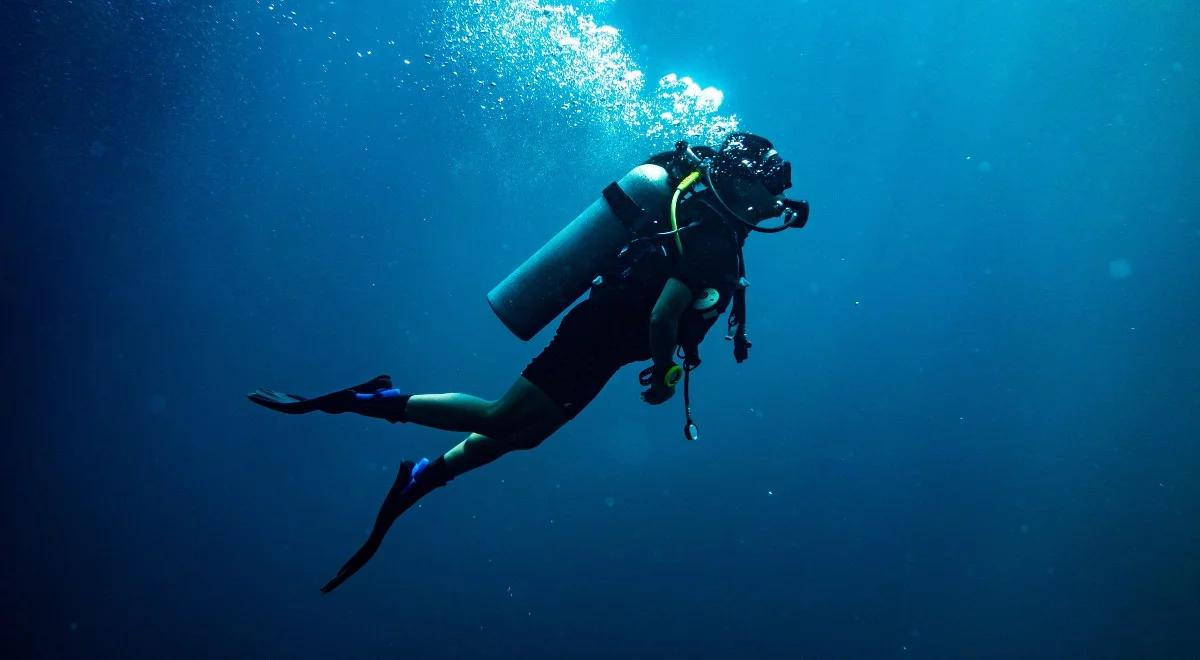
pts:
[611, 328]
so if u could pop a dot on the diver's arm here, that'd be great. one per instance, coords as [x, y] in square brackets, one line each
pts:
[664, 322]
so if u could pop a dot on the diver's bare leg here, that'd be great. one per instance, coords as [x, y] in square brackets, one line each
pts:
[479, 450]
[523, 406]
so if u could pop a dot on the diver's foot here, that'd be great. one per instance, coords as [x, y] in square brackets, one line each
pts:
[404, 493]
[382, 403]
[374, 398]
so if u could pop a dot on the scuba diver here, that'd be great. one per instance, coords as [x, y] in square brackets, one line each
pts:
[660, 251]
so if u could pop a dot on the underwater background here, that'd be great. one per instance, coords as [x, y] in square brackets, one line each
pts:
[969, 427]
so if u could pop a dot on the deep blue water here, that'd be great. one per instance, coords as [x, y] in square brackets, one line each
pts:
[970, 425]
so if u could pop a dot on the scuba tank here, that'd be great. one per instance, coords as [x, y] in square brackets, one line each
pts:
[556, 275]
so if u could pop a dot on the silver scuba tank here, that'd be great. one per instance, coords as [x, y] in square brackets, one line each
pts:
[558, 273]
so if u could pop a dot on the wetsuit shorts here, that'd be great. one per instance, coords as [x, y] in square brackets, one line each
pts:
[592, 342]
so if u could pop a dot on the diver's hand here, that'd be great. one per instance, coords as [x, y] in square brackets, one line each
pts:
[657, 393]
[659, 381]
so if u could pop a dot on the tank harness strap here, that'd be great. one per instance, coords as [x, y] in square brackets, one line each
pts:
[622, 205]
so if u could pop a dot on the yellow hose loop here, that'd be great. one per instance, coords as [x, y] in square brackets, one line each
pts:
[688, 182]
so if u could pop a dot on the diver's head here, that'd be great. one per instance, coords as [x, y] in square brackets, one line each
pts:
[749, 176]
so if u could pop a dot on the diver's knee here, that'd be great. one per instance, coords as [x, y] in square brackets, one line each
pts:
[508, 416]
[500, 418]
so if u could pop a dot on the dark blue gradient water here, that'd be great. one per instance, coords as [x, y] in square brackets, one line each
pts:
[970, 425]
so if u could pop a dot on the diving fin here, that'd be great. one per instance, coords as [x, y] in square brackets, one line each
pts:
[293, 404]
[413, 481]
[374, 398]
